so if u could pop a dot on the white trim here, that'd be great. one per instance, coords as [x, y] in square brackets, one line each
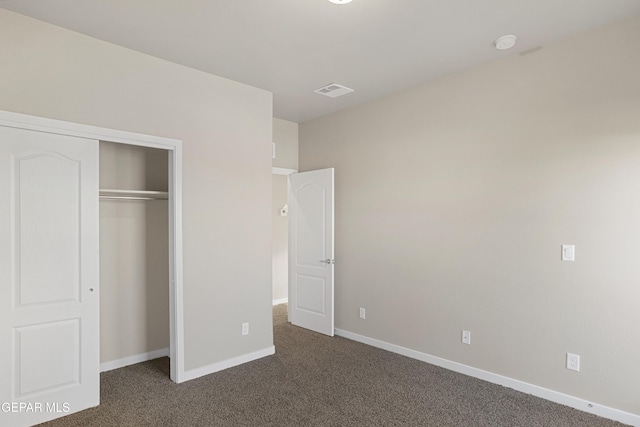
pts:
[544, 393]
[289, 287]
[228, 363]
[283, 171]
[60, 127]
[176, 285]
[280, 301]
[174, 147]
[132, 360]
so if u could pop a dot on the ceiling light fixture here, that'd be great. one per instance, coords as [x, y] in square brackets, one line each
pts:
[340, 1]
[505, 42]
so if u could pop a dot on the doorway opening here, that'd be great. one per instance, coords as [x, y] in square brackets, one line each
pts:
[280, 236]
[280, 239]
[163, 188]
[134, 254]
[53, 188]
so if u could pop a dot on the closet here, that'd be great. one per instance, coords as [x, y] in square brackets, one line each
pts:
[89, 282]
[134, 254]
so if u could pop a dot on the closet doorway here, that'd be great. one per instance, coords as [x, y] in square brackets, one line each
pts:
[172, 151]
[134, 254]
[141, 224]
[52, 184]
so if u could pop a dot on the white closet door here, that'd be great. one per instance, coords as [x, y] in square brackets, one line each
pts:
[49, 299]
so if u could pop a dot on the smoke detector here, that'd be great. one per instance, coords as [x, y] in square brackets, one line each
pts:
[333, 90]
[505, 42]
[340, 1]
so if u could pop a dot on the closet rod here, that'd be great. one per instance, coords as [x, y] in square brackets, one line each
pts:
[133, 195]
[131, 198]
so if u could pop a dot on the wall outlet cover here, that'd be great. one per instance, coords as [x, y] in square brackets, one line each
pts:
[568, 253]
[573, 362]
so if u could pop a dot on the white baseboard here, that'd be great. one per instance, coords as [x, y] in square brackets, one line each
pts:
[229, 363]
[544, 393]
[132, 360]
[280, 301]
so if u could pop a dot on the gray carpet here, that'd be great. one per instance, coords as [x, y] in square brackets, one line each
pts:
[314, 380]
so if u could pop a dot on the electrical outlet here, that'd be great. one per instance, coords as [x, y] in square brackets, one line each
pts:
[568, 253]
[245, 328]
[362, 313]
[573, 362]
[466, 337]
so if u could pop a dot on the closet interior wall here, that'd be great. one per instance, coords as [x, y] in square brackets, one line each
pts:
[134, 254]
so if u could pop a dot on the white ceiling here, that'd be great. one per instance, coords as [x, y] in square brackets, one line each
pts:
[291, 47]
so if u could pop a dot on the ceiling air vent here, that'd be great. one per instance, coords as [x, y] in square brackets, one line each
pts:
[333, 90]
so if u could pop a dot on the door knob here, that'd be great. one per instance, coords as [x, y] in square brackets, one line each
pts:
[328, 261]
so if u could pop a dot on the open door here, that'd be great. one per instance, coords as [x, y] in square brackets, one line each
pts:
[49, 303]
[311, 257]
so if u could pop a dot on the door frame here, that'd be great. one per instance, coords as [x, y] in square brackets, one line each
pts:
[174, 148]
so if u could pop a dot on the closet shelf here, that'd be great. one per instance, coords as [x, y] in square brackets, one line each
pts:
[109, 194]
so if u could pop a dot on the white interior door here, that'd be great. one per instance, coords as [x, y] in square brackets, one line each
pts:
[49, 299]
[311, 259]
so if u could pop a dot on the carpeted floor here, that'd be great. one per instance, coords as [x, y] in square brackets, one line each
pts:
[314, 380]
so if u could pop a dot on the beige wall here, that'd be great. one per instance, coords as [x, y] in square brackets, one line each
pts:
[454, 197]
[280, 263]
[226, 128]
[134, 253]
[285, 136]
